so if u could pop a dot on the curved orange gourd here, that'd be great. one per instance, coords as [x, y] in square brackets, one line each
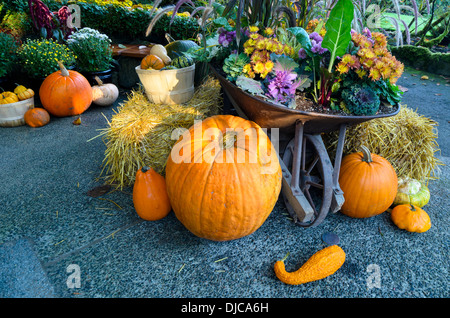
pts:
[65, 93]
[322, 264]
[223, 178]
[369, 183]
[150, 196]
[36, 117]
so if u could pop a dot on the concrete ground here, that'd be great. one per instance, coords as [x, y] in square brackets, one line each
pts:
[58, 242]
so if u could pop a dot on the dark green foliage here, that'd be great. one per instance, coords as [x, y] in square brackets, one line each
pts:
[361, 99]
[8, 53]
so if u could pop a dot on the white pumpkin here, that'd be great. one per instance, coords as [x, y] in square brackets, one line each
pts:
[104, 94]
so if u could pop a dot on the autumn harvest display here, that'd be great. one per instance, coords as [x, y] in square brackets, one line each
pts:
[327, 85]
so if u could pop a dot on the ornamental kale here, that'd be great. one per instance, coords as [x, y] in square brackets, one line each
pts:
[282, 86]
[283, 81]
[361, 100]
[233, 65]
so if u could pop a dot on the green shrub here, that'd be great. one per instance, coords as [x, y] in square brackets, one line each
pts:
[39, 58]
[8, 53]
[92, 49]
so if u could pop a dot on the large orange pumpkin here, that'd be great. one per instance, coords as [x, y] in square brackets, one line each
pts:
[65, 93]
[223, 178]
[369, 183]
[36, 117]
[150, 198]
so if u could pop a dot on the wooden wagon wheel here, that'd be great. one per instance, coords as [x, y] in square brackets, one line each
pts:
[308, 186]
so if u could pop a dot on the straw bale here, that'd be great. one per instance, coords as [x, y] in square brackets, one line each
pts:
[140, 132]
[407, 140]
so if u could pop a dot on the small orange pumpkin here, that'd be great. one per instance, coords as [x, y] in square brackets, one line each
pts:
[411, 218]
[65, 93]
[369, 183]
[150, 198]
[152, 62]
[36, 117]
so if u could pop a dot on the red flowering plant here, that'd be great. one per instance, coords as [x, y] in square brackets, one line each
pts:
[51, 25]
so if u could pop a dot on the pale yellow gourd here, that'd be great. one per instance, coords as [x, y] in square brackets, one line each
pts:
[161, 52]
[104, 94]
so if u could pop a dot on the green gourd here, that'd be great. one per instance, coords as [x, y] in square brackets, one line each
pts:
[177, 48]
[182, 61]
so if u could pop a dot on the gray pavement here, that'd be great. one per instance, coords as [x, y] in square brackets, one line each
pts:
[51, 230]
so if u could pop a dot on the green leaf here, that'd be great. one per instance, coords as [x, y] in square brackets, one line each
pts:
[221, 21]
[249, 85]
[302, 37]
[338, 27]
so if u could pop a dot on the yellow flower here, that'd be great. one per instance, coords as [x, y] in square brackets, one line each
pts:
[361, 72]
[259, 67]
[261, 44]
[249, 50]
[375, 74]
[268, 66]
[248, 70]
[269, 31]
[254, 36]
[253, 29]
[342, 67]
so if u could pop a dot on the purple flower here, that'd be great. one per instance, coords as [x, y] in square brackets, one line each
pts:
[302, 54]
[282, 86]
[226, 37]
[366, 32]
[316, 43]
[315, 36]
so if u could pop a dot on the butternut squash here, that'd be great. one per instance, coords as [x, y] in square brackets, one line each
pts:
[322, 264]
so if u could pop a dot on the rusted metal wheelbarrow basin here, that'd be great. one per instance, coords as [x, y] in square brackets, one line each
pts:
[310, 181]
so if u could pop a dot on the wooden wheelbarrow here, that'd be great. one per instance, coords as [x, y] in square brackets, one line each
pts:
[310, 181]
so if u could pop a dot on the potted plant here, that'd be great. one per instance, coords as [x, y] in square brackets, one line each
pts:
[8, 58]
[39, 58]
[305, 63]
[93, 54]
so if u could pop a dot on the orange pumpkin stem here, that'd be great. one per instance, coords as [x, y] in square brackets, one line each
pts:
[366, 153]
[64, 71]
[412, 208]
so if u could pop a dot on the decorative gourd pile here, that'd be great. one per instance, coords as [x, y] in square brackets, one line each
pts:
[20, 93]
[371, 186]
[159, 59]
